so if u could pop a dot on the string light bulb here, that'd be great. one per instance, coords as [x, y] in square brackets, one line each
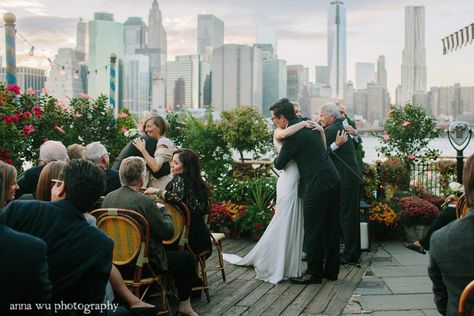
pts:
[32, 51]
[62, 72]
[76, 75]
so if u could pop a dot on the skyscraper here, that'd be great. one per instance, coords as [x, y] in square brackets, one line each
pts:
[185, 80]
[105, 38]
[236, 77]
[135, 69]
[157, 49]
[322, 75]
[210, 35]
[337, 47]
[81, 37]
[63, 81]
[134, 35]
[381, 72]
[295, 82]
[365, 73]
[414, 54]
[274, 82]
[267, 35]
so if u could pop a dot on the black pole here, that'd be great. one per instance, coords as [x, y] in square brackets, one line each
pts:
[459, 165]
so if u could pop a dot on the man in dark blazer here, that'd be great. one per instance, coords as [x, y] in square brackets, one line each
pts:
[130, 150]
[319, 187]
[344, 158]
[79, 255]
[23, 272]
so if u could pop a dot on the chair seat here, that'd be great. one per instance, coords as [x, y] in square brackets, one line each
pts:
[218, 236]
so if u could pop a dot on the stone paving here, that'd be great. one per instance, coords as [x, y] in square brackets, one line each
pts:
[396, 283]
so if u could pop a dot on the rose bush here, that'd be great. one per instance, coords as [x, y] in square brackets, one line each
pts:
[408, 130]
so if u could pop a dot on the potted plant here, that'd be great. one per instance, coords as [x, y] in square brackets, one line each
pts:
[416, 216]
[383, 220]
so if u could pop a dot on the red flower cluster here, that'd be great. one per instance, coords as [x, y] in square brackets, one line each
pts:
[38, 112]
[10, 119]
[28, 129]
[220, 215]
[433, 199]
[14, 88]
[416, 211]
[5, 156]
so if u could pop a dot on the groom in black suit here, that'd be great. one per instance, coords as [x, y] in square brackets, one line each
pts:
[319, 187]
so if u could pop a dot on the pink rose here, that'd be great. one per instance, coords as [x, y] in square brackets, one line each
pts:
[45, 91]
[411, 156]
[123, 115]
[386, 138]
[28, 129]
[124, 130]
[77, 115]
[38, 112]
[406, 123]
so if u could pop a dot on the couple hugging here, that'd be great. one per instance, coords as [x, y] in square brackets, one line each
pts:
[308, 193]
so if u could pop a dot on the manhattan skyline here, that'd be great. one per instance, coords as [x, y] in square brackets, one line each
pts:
[374, 27]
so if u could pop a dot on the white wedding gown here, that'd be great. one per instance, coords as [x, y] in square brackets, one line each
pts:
[277, 255]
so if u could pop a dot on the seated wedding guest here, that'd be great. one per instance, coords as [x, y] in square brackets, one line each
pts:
[8, 186]
[452, 253]
[130, 150]
[180, 264]
[48, 179]
[51, 150]
[79, 255]
[97, 153]
[48, 175]
[23, 268]
[156, 127]
[188, 187]
[75, 151]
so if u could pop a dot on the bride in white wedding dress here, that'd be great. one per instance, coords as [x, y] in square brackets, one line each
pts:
[277, 255]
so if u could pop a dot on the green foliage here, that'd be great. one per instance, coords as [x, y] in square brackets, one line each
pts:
[206, 139]
[395, 172]
[255, 219]
[408, 130]
[245, 129]
[29, 119]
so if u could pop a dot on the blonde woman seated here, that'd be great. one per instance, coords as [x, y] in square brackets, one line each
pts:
[156, 127]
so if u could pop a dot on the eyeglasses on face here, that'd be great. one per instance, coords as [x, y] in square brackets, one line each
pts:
[56, 181]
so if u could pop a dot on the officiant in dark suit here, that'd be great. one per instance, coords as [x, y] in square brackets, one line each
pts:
[319, 187]
[345, 160]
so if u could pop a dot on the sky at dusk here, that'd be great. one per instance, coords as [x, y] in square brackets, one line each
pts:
[374, 27]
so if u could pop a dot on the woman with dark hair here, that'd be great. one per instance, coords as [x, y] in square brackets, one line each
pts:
[156, 127]
[187, 186]
[8, 185]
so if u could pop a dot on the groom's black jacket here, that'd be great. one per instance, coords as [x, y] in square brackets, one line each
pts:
[317, 171]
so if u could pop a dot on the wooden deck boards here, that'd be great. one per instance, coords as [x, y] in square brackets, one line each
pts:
[243, 294]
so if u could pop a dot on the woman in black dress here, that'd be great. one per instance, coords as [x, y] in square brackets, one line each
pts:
[187, 186]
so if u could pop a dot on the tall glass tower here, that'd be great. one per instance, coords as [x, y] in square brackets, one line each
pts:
[414, 54]
[337, 52]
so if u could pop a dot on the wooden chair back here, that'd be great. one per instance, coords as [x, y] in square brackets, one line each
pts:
[464, 298]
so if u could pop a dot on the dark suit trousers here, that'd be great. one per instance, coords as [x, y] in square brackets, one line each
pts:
[349, 217]
[321, 225]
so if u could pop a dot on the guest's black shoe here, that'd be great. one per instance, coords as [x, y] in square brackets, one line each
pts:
[306, 278]
[412, 246]
[350, 262]
[330, 277]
